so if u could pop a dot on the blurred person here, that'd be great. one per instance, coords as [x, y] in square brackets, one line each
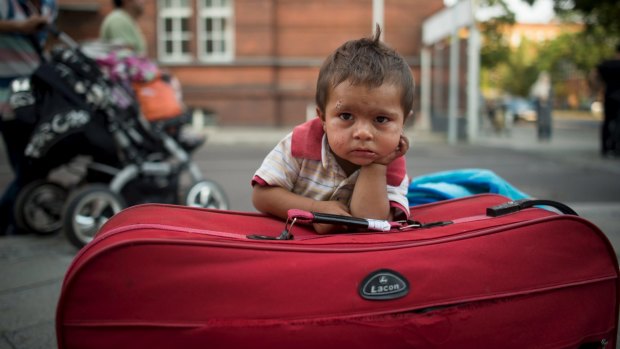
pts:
[495, 112]
[491, 111]
[23, 35]
[609, 73]
[541, 93]
[121, 27]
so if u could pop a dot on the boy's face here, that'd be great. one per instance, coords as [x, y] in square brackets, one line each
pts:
[363, 124]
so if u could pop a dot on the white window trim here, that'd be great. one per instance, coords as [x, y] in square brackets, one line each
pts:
[177, 56]
[228, 34]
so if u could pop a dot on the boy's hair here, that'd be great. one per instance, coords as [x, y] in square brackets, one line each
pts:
[365, 61]
[117, 3]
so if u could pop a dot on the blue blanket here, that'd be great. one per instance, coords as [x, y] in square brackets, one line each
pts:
[459, 183]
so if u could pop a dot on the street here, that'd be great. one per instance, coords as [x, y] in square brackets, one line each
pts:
[567, 169]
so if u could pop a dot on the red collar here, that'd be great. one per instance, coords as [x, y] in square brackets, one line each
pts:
[307, 140]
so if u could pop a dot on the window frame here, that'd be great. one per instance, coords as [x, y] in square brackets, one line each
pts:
[176, 14]
[195, 12]
[224, 34]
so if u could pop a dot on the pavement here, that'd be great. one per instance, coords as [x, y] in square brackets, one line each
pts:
[32, 267]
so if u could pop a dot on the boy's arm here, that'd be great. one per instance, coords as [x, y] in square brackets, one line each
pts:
[370, 196]
[277, 201]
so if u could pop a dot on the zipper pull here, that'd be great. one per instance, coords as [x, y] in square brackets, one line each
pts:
[285, 235]
[415, 224]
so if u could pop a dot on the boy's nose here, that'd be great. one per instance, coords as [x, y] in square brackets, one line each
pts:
[363, 131]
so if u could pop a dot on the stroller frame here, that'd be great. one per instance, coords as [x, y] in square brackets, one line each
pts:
[144, 152]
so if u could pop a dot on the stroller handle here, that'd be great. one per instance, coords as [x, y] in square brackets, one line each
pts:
[62, 36]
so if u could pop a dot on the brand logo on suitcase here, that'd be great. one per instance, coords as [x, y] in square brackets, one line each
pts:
[384, 284]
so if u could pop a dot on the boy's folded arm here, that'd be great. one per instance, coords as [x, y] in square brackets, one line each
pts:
[277, 201]
[370, 197]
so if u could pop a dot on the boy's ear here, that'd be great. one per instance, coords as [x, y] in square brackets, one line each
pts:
[319, 113]
[408, 116]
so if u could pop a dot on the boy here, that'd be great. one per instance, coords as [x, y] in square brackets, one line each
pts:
[348, 161]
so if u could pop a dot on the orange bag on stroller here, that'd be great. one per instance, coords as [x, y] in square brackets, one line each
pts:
[158, 99]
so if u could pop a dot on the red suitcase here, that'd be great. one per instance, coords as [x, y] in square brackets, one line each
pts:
[160, 276]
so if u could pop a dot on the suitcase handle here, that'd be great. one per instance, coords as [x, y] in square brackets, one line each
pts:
[306, 217]
[518, 205]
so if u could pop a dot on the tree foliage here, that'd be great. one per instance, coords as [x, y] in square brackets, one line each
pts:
[567, 56]
[597, 15]
[495, 49]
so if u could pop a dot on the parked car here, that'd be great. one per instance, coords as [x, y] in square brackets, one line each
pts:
[520, 108]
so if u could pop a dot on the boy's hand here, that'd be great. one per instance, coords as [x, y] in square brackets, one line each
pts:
[331, 207]
[401, 149]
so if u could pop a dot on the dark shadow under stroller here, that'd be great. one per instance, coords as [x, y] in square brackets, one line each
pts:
[76, 112]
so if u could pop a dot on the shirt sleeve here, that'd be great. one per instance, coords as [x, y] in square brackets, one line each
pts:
[279, 168]
[397, 195]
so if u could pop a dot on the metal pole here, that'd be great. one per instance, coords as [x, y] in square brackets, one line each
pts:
[438, 95]
[425, 90]
[453, 88]
[378, 16]
[473, 84]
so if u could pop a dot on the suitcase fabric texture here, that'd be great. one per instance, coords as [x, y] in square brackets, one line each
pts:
[161, 276]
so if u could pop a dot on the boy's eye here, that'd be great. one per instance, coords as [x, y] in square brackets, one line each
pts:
[345, 116]
[382, 119]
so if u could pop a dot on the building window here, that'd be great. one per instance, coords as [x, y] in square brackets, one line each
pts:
[174, 31]
[213, 31]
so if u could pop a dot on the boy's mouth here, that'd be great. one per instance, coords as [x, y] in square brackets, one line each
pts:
[363, 153]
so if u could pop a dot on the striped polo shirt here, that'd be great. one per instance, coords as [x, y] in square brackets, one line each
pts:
[303, 164]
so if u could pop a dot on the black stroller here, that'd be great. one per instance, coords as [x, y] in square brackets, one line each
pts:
[75, 111]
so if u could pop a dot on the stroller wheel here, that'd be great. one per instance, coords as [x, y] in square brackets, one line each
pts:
[207, 194]
[38, 207]
[87, 210]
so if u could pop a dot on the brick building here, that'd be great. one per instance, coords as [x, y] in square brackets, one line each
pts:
[255, 62]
